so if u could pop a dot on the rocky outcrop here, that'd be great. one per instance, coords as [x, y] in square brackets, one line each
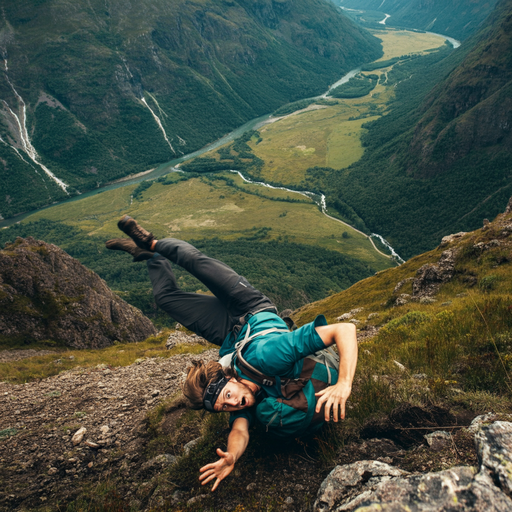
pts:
[429, 278]
[45, 294]
[373, 486]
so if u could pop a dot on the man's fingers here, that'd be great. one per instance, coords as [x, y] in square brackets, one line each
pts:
[222, 454]
[216, 484]
[209, 479]
[207, 467]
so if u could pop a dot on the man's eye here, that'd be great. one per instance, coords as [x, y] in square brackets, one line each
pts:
[228, 394]
[224, 407]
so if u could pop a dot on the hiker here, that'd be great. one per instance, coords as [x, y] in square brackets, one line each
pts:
[289, 381]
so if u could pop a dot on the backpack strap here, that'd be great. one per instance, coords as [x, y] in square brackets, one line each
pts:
[248, 369]
[328, 358]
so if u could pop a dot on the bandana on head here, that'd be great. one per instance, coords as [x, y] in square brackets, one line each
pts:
[212, 393]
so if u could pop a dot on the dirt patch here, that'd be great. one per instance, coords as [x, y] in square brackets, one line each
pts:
[39, 462]
[8, 356]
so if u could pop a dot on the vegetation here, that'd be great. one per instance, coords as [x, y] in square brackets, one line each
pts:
[359, 85]
[119, 354]
[446, 17]
[85, 87]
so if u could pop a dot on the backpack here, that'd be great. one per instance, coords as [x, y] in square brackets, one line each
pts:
[293, 413]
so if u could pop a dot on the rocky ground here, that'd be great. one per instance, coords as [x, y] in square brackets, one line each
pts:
[41, 460]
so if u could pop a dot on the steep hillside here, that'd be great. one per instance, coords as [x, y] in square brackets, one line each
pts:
[440, 160]
[445, 314]
[94, 91]
[455, 18]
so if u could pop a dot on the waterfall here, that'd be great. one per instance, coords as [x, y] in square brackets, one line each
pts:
[23, 133]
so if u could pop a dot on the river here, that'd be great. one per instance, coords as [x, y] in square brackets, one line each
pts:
[168, 167]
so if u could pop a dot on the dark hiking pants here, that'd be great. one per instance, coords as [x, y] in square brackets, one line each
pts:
[210, 317]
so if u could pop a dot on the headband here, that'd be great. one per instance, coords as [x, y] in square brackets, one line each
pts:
[212, 393]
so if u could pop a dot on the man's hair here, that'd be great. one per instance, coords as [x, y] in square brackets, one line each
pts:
[199, 376]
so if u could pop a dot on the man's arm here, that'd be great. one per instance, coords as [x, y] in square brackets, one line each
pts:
[237, 443]
[345, 338]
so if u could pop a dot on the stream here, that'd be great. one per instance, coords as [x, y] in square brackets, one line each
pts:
[254, 124]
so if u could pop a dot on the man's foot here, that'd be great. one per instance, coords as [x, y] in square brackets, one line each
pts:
[124, 244]
[138, 234]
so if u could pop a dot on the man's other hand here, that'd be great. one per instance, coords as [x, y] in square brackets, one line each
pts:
[219, 470]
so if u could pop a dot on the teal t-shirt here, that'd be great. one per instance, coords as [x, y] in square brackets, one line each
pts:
[279, 354]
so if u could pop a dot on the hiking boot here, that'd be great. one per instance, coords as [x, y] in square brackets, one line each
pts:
[127, 245]
[137, 233]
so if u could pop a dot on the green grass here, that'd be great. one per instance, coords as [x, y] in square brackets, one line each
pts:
[194, 209]
[122, 354]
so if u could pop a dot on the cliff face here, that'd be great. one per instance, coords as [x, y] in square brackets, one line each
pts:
[470, 111]
[45, 294]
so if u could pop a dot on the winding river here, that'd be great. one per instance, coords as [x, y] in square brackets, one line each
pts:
[254, 124]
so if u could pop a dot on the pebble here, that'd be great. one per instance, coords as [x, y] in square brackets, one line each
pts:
[104, 429]
[78, 436]
[196, 499]
[288, 501]
[252, 486]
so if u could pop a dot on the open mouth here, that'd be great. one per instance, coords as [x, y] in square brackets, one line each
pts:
[242, 403]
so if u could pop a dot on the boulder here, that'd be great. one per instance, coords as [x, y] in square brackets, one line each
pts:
[45, 294]
[429, 278]
[370, 486]
[351, 483]
[494, 448]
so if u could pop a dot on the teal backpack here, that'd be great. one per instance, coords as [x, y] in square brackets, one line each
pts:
[293, 413]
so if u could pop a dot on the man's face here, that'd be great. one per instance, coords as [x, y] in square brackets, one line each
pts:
[234, 396]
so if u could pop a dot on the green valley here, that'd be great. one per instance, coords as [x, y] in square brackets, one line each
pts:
[93, 92]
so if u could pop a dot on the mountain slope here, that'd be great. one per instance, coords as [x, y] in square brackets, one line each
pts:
[441, 160]
[455, 18]
[110, 88]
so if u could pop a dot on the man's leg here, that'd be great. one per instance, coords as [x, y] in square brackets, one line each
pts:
[203, 314]
[232, 290]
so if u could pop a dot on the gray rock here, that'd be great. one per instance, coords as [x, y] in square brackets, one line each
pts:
[451, 238]
[371, 316]
[345, 483]
[344, 317]
[477, 423]
[190, 445]
[429, 277]
[438, 440]
[456, 489]
[78, 436]
[252, 486]
[402, 299]
[494, 448]
[352, 487]
[419, 376]
[179, 338]
[427, 300]
[288, 501]
[196, 499]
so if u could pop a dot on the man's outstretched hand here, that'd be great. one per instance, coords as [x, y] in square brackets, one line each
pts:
[219, 470]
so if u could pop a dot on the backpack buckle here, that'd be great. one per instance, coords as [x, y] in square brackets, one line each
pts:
[267, 382]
